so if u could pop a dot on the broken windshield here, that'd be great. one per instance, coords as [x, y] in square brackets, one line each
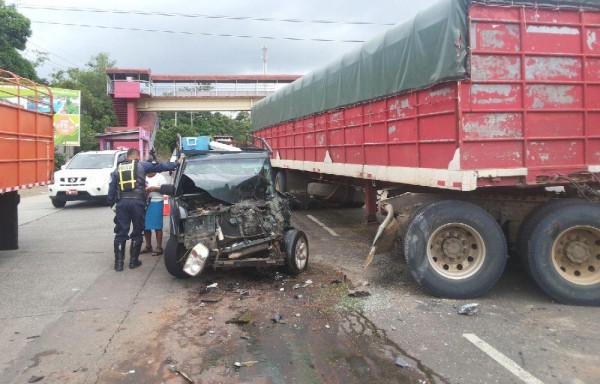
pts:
[228, 179]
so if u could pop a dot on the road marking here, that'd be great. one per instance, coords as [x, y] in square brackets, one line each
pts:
[331, 231]
[507, 363]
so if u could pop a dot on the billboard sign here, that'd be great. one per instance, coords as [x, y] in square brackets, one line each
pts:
[67, 110]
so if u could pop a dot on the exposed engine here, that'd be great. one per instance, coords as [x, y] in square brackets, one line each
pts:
[228, 230]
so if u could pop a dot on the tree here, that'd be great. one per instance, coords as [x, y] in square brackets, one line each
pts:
[15, 29]
[97, 111]
[204, 124]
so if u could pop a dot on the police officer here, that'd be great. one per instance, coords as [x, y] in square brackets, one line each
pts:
[127, 188]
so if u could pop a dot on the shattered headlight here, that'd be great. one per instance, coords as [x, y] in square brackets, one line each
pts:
[196, 260]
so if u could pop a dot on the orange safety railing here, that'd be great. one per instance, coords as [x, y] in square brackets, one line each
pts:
[13, 85]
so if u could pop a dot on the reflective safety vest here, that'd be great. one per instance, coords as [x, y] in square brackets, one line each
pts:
[127, 175]
[131, 180]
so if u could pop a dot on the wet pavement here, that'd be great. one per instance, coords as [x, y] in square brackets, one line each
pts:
[67, 316]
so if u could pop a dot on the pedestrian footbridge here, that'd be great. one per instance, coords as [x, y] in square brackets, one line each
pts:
[138, 95]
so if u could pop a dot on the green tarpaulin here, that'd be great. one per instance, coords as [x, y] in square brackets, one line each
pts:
[428, 49]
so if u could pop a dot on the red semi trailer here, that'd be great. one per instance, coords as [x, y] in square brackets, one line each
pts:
[480, 120]
[26, 146]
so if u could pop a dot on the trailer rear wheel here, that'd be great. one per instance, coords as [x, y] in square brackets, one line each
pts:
[564, 254]
[532, 220]
[455, 249]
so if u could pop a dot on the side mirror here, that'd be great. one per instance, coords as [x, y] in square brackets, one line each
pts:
[63, 166]
[167, 189]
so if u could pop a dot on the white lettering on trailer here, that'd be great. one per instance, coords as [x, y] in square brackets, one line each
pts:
[507, 363]
[552, 30]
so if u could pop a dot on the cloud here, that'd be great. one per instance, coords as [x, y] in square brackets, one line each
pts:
[181, 54]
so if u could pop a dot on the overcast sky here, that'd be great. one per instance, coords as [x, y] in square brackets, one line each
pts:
[196, 54]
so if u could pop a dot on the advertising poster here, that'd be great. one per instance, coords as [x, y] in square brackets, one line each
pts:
[67, 110]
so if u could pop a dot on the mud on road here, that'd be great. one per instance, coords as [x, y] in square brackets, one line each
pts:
[321, 335]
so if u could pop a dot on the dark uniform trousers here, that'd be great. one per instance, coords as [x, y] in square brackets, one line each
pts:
[130, 211]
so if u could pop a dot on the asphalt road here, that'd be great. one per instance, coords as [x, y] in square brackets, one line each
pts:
[67, 316]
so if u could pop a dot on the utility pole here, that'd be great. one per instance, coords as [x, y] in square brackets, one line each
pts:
[265, 56]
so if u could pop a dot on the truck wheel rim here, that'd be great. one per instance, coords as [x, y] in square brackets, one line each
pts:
[576, 255]
[456, 251]
[301, 253]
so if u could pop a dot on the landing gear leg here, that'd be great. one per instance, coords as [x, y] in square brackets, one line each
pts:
[370, 202]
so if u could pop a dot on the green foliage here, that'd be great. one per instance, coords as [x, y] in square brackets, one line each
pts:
[60, 159]
[97, 111]
[199, 124]
[14, 31]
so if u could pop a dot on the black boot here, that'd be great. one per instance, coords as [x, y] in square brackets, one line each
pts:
[134, 253]
[119, 255]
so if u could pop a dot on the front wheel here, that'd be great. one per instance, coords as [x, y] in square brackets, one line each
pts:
[58, 203]
[296, 251]
[564, 254]
[455, 249]
[175, 257]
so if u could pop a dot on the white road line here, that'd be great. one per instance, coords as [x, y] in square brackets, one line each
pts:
[507, 363]
[331, 231]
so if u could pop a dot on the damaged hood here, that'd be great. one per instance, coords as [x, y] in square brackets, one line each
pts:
[231, 189]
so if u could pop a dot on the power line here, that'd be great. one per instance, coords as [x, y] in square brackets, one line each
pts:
[54, 54]
[196, 33]
[199, 15]
[39, 41]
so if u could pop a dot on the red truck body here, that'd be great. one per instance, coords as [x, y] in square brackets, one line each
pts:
[463, 116]
[26, 147]
[529, 111]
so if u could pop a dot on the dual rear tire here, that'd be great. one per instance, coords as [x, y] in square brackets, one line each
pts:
[457, 250]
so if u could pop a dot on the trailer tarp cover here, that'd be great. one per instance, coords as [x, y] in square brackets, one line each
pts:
[428, 49]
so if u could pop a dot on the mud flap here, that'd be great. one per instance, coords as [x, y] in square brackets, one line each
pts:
[385, 239]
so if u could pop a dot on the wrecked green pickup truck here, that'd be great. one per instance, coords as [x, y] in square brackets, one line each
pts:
[226, 213]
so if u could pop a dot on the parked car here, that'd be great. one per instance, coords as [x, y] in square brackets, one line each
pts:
[226, 213]
[85, 177]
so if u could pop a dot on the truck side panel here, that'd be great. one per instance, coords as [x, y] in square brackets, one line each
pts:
[26, 148]
[530, 110]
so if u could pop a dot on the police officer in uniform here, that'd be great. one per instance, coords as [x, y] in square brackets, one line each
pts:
[127, 188]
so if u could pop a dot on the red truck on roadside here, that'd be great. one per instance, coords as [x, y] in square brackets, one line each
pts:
[26, 147]
[480, 122]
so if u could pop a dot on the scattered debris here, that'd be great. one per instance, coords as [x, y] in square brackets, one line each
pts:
[327, 326]
[211, 299]
[244, 293]
[203, 290]
[245, 337]
[213, 285]
[278, 276]
[297, 315]
[176, 369]
[296, 286]
[202, 304]
[335, 282]
[251, 363]
[297, 297]
[128, 372]
[277, 318]
[241, 319]
[35, 379]
[393, 328]
[168, 361]
[210, 318]
[468, 309]
[33, 337]
[281, 289]
[308, 282]
[359, 293]
[401, 362]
